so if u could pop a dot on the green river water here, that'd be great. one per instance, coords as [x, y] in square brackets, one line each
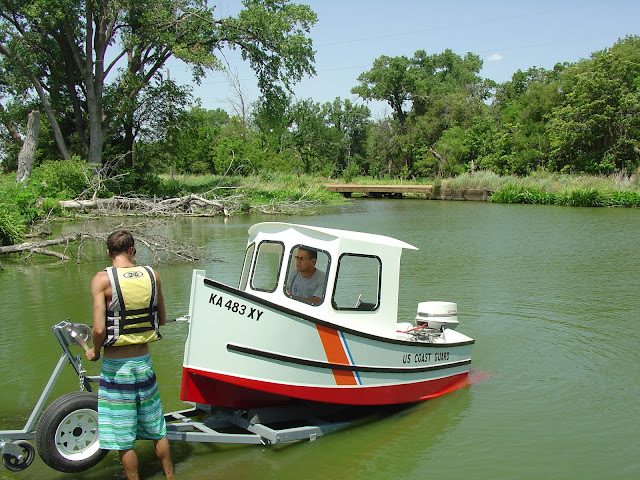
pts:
[550, 294]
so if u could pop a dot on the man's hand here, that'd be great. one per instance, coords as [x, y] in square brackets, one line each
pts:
[91, 355]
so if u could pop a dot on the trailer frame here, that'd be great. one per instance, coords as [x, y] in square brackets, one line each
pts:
[263, 426]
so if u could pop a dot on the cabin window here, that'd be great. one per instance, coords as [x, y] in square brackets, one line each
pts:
[306, 275]
[266, 269]
[246, 267]
[357, 284]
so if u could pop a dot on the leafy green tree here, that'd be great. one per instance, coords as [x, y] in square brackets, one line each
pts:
[273, 119]
[61, 46]
[597, 128]
[238, 150]
[351, 123]
[428, 94]
[390, 79]
[439, 75]
[382, 149]
[524, 105]
[309, 135]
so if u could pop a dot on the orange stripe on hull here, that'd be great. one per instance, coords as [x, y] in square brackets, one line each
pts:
[334, 350]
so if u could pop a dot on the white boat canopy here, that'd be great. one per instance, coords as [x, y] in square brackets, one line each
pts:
[361, 273]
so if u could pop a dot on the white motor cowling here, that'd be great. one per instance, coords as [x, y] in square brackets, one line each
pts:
[438, 315]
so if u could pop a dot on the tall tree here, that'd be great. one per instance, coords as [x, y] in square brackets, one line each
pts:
[66, 46]
[428, 94]
[309, 134]
[351, 121]
[523, 106]
[390, 80]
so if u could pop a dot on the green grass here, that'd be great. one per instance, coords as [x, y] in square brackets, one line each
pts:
[618, 190]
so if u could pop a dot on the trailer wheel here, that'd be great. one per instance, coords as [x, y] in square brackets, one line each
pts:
[67, 433]
[16, 464]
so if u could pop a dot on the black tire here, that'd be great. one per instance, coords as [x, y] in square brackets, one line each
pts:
[16, 464]
[67, 433]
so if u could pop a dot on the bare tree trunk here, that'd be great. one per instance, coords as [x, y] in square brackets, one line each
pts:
[13, 130]
[28, 151]
[57, 134]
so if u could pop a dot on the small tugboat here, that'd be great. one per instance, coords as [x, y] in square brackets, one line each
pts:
[309, 335]
[260, 344]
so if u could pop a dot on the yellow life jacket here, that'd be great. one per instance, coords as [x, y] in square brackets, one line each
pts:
[132, 314]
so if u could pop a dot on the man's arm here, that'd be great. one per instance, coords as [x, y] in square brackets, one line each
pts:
[318, 292]
[99, 286]
[162, 310]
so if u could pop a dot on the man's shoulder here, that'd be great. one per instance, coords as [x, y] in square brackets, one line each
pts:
[100, 278]
[101, 274]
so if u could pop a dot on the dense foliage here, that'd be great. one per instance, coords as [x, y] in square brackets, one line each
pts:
[446, 120]
[95, 66]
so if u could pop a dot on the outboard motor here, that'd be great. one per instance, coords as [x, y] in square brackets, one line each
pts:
[437, 315]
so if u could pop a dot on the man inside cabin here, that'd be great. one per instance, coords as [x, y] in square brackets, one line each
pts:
[306, 283]
[128, 308]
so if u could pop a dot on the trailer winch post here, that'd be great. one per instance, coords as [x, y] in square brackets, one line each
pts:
[28, 432]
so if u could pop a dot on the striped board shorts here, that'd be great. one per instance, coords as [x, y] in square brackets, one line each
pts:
[129, 404]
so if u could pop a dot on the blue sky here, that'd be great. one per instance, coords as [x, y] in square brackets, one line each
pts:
[507, 35]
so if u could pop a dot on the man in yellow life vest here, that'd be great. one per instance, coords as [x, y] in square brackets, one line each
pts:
[128, 308]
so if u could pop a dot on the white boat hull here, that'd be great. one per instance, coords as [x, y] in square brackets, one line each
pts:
[245, 352]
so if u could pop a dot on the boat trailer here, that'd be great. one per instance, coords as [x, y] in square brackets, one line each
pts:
[66, 432]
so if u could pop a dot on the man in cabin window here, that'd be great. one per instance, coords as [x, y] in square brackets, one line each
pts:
[306, 283]
[128, 308]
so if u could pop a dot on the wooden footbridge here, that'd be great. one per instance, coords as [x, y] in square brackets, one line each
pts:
[347, 189]
[397, 191]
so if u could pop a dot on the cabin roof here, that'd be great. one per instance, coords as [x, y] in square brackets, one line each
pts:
[330, 233]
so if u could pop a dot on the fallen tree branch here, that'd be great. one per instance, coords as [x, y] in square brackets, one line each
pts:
[191, 204]
[161, 247]
[51, 253]
[188, 205]
[31, 246]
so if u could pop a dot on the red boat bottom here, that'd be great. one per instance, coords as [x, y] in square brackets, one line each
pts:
[228, 391]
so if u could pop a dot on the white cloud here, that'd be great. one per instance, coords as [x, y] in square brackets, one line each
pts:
[496, 57]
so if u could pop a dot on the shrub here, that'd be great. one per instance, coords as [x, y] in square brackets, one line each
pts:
[133, 181]
[62, 179]
[508, 193]
[12, 227]
[22, 199]
[589, 197]
[625, 199]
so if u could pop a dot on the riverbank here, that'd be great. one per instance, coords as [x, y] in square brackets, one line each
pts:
[23, 206]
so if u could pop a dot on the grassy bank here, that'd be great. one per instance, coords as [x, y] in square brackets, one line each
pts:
[24, 205]
[569, 190]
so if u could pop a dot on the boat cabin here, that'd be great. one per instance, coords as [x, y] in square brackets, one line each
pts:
[346, 278]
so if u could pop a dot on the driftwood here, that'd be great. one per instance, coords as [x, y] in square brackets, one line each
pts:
[32, 246]
[191, 204]
[161, 247]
